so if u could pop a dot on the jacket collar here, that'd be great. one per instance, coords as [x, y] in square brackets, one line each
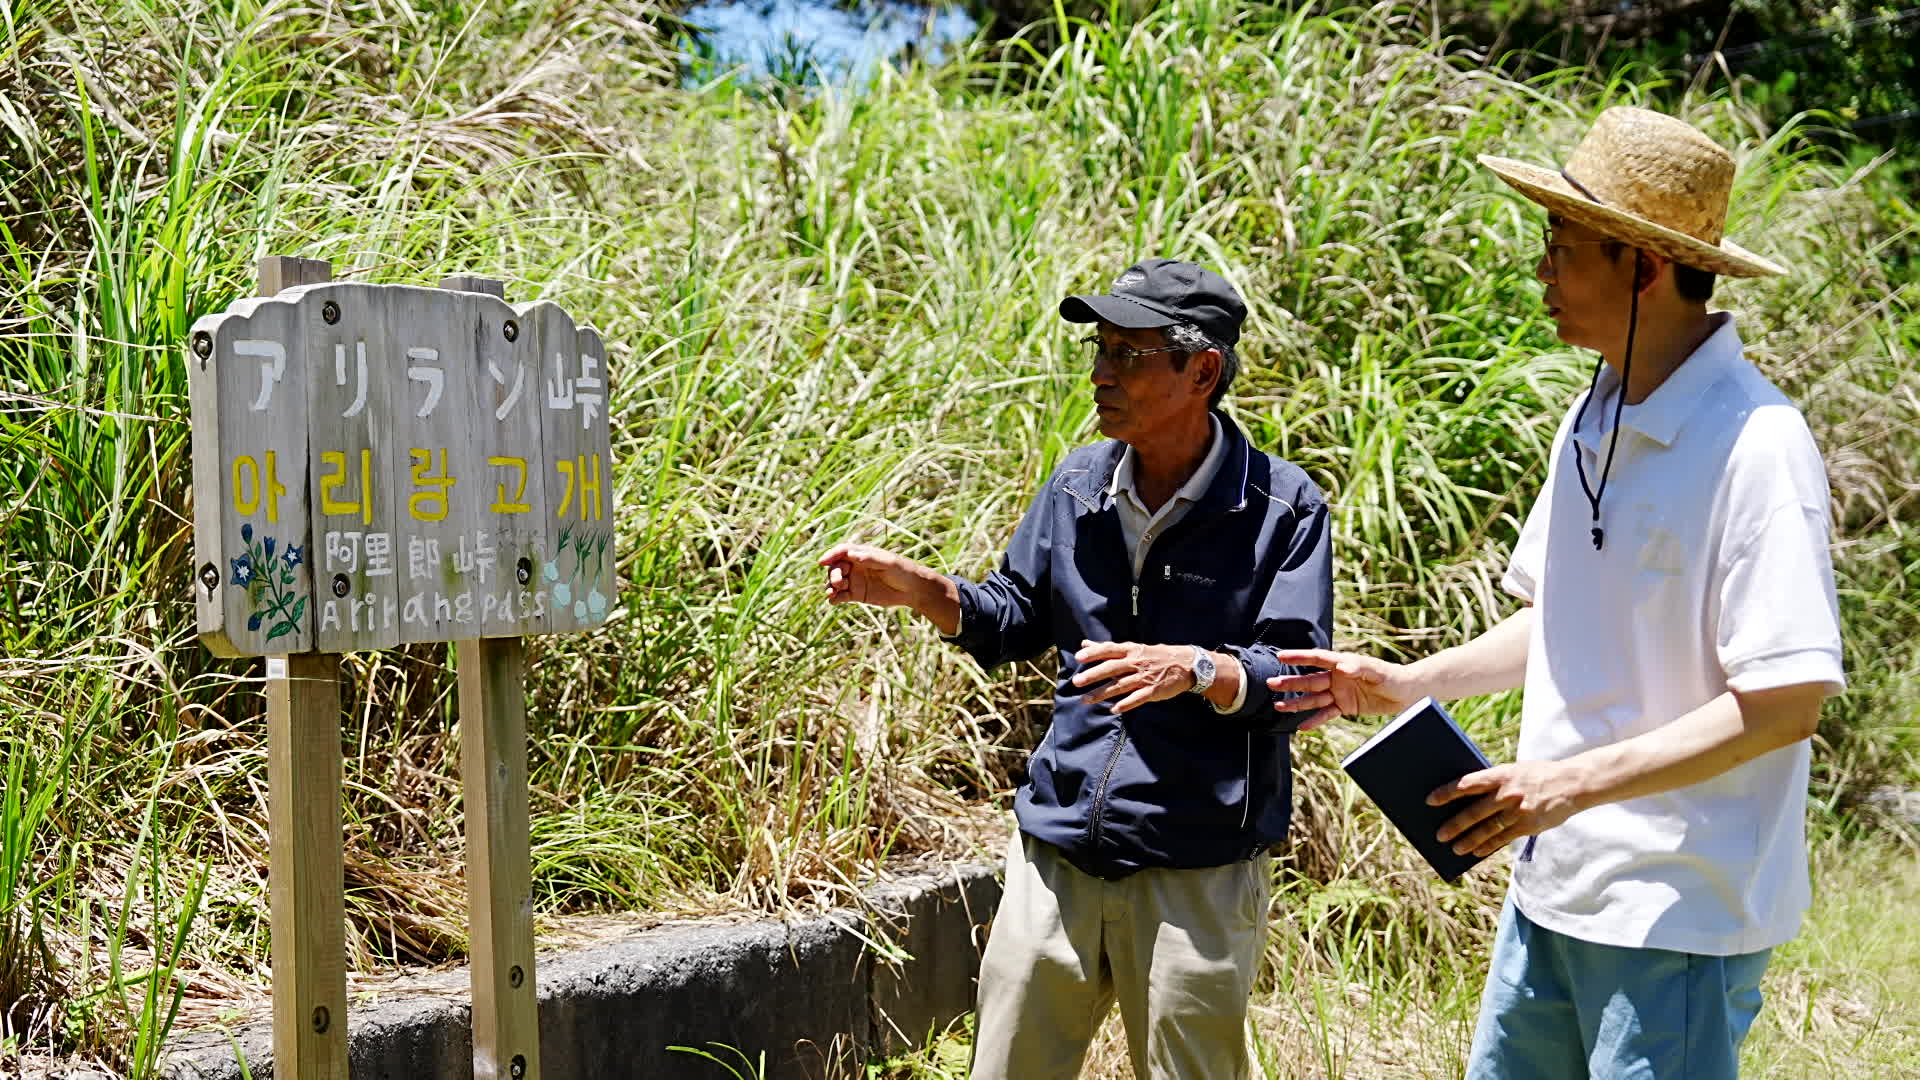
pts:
[1227, 492]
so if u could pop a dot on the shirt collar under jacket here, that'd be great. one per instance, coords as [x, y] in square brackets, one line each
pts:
[1664, 411]
[1122, 484]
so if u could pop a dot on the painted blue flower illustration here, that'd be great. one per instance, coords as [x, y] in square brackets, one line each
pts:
[270, 589]
[581, 594]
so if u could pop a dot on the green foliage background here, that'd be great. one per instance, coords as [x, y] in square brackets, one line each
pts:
[1857, 60]
[831, 316]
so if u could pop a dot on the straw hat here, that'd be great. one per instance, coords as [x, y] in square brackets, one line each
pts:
[1648, 180]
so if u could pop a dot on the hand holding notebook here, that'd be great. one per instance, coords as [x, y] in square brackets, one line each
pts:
[1417, 752]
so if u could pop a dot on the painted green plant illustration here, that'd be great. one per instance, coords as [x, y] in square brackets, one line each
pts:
[589, 558]
[269, 584]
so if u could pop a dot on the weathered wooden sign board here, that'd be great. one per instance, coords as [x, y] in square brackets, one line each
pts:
[376, 465]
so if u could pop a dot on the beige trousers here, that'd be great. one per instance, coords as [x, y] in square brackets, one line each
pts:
[1176, 948]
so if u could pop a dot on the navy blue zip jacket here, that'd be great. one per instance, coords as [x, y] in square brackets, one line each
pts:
[1249, 569]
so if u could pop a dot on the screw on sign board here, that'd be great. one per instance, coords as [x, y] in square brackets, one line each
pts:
[376, 465]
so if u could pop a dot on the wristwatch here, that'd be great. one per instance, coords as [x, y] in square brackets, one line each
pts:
[1202, 671]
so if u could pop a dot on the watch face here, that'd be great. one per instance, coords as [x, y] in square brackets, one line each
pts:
[1202, 671]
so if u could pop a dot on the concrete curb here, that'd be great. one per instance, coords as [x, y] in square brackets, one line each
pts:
[816, 998]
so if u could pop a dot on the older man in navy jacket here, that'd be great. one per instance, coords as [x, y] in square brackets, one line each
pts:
[1166, 565]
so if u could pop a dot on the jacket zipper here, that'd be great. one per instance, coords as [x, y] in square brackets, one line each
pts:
[1100, 794]
[1106, 776]
[1246, 791]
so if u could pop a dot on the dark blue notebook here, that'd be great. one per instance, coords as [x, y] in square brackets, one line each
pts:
[1418, 751]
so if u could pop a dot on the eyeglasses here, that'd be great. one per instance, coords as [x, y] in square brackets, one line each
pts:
[1560, 249]
[1124, 359]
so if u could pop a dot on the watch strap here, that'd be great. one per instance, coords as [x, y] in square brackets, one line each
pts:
[1202, 671]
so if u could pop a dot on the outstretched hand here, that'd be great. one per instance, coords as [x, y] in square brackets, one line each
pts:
[864, 574]
[1347, 684]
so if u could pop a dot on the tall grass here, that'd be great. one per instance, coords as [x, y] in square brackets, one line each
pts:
[1837, 998]
[831, 315]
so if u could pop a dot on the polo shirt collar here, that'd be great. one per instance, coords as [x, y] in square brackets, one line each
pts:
[1196, 486]
[1662, 414]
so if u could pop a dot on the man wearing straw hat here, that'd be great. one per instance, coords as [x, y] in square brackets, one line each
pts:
[1679, 634]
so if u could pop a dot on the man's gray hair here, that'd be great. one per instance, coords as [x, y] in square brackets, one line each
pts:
[1189, 338]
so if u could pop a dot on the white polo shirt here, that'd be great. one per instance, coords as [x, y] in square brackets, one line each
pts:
[1715, 576]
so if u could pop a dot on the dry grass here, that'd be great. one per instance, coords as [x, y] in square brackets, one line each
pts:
[1839, 999]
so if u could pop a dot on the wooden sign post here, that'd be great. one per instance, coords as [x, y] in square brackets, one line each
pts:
[376, 465]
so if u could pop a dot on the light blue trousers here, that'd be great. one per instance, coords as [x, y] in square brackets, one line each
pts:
[1558, 1008]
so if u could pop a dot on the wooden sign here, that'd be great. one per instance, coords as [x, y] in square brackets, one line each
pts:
[382, 464]
[376, 465]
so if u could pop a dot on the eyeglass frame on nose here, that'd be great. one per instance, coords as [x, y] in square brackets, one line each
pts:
[1123, 357]
[1548, 247]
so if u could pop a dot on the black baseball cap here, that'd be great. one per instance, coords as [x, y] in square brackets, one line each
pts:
[1160, 292]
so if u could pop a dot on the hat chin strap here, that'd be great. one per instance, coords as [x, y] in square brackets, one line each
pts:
[1581, 188]
[1626, 373]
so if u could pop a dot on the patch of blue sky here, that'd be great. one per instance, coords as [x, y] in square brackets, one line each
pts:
[827, 42]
